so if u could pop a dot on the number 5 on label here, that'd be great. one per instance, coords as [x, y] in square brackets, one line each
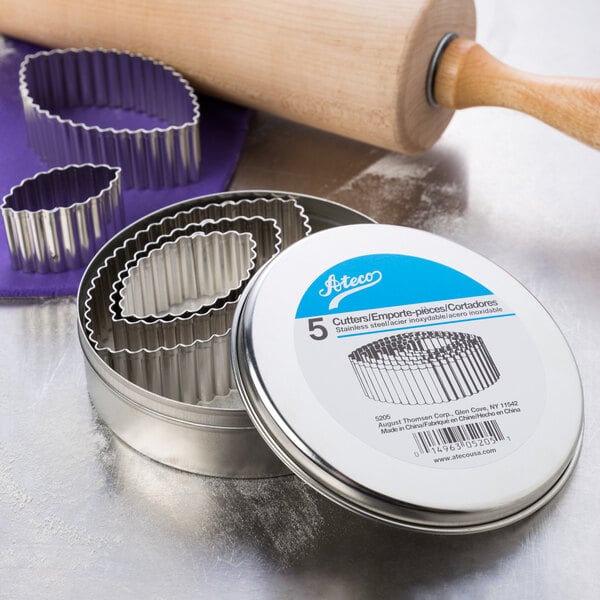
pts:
[317, 331]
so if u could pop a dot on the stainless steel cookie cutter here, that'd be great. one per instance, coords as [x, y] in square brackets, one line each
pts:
[113, 332]
[264, 229]
[281, 210]
[58, 219]
[187, 274]
[165, 156]
[196, 370]
[265, 233]
[185, 356]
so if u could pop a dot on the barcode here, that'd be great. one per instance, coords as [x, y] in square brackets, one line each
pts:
[426, 440]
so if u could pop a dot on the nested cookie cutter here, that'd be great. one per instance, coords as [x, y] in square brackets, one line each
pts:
[114, 332]
[265, 215]
[184, 356]
[424, 367]
[58, 219]
[187, 274]
[197, 372]
[265, 232]
[165, 156]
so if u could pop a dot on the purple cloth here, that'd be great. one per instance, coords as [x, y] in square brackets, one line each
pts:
[223, 129]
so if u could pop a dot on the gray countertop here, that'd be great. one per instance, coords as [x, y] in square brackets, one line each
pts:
[84, 516]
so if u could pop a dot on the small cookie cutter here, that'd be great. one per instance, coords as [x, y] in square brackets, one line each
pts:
[262, 223]
[58, 219]
[166, 156]
[198, 372]
[187, 274]
[265, 234]
[114, 332]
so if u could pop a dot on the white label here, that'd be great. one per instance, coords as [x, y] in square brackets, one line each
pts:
[419, 361]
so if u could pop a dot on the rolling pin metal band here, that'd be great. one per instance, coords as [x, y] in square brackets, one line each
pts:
[433, 67]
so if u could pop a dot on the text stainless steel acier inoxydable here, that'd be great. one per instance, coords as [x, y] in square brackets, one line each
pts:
[58, 219]
[408, 379]
[214, 437]
[53, 81]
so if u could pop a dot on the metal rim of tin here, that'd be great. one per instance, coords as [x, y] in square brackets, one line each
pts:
[302, 459]
[126, 407]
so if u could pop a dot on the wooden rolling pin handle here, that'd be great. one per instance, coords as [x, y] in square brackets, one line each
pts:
[466, 75]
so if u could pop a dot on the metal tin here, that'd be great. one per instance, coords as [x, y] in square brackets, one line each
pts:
[465, 413]
[213, 439]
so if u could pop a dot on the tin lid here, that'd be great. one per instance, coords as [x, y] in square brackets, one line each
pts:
[408, 379]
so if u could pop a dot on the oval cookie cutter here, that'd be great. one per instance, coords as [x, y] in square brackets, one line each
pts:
[156, 157]
[112, 332]
[184, 357]
[187, 274]
[58, 219]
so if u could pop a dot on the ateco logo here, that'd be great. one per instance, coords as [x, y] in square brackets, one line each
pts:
[338, 289]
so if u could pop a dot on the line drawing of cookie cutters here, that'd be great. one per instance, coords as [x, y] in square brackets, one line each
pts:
[184, 358]
[424, 367]
[187, 274]
[57, 219]
[159, 157]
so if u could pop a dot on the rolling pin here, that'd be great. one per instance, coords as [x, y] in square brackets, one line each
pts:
[386, 72]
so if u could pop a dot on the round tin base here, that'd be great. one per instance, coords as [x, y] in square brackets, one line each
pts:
[208, 440]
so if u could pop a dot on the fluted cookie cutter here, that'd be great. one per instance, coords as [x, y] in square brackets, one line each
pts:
[58, 219]
[112, 332]
[176, 355]
[265, 233]
[424, 367]
[183, 357]
[187, 274]
[263, 224]
[55, 80]
[196, 370]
